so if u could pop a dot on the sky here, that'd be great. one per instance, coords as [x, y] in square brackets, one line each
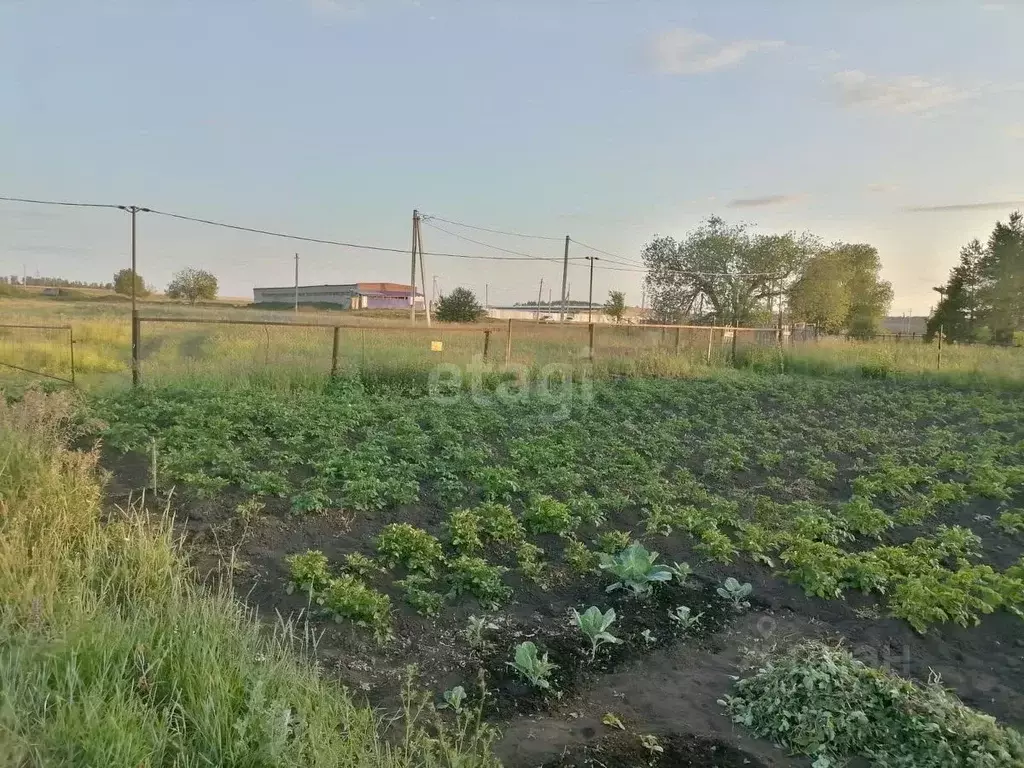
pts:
[896, 123]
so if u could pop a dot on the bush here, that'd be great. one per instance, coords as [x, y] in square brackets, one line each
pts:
[349, 598]
[477, 577]
[546, 515]
[459, 306]
[817, 700]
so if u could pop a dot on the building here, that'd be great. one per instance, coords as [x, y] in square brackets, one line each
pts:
[550, 314]
[350, 296]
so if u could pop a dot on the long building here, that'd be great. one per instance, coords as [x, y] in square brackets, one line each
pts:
[349, 296]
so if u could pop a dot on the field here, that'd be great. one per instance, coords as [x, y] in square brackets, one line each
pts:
[834, 541]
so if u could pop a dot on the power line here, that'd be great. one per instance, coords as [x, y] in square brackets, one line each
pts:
[57, 202]
[493, 231]
[323, 241]
[524, 256]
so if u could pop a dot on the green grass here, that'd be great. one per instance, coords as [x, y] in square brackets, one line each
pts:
[111, 655]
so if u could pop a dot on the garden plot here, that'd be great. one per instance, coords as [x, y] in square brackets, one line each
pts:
[454, 535]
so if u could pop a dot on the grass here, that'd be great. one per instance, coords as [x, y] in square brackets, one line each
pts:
[383, 342]
[111, 655]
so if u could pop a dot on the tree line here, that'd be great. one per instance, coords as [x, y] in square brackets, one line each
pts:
[723, 274]
[983, 299]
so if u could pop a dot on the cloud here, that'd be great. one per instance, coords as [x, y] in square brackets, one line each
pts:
[760, 202]
[965, 206]
[905, 93]
[686, 52]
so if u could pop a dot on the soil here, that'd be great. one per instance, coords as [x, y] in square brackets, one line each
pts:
[667, 688]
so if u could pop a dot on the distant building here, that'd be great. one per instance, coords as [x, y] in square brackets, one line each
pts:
[575, 313]
[906, 325]
[350, 296]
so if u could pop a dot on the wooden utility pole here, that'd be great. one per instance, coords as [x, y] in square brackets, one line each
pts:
[423, 270]
[565, 278]
[487, 291]
[412, 269]
[590, 301]
[540, 293]
[296, 283]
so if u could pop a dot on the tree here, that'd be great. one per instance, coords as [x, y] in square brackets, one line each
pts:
[616, 305]
[735, 272]
[123, 283]
[984, 296]
[958, 309]
[192, 285]
[459, 306]
[1002, 276]
[840, 289]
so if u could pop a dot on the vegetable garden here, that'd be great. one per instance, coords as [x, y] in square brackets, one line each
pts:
[589, 577]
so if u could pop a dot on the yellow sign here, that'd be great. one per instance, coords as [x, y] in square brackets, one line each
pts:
[437, 346]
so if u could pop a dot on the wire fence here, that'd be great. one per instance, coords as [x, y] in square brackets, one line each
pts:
[46, 351]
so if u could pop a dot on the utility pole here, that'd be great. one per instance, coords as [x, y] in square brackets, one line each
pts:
[412, 271]
[133, 210]
[590, 302]
[540, 293]
[296, 283]
[565, 278]
[487, 291]
[433, 291]
[423, 270]
[643, 302]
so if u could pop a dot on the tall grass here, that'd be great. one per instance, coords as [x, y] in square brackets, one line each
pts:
[112, 656]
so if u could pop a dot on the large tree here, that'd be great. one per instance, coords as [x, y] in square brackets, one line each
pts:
[192, 285]
[734, 272]
[1002, 274]
[840, 289]
[123, 283]
[984, 296]
[957, 314]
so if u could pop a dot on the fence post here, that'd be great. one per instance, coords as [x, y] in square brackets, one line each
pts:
[711, 338]
[938, 359]
[677, 340]
[508, 344]
[590, 348]
[136, 333]
[487, 343]
[334, 351]
[71, 337]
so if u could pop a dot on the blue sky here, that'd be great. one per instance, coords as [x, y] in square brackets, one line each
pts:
[608, 121]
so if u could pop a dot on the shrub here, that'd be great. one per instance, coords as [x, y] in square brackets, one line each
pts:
[819, 701]
[579, 558]
[459, 306]
[417, 550]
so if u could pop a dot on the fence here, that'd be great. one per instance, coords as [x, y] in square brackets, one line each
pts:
[170, 346]
[39, 350]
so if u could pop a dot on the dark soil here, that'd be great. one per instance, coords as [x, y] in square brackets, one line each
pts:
[668, 688]
[674, 751]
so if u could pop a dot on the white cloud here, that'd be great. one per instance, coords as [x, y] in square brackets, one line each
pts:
[685, 52]
[904, 93]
